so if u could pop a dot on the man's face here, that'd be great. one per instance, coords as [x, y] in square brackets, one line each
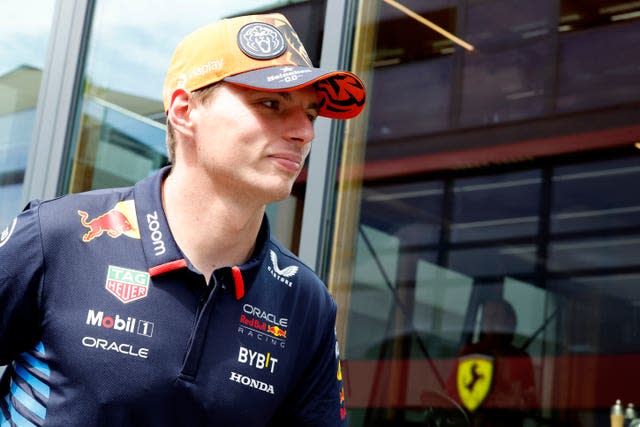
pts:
[252, 143]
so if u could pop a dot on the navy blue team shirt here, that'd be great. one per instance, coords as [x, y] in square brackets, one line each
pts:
[103, 322]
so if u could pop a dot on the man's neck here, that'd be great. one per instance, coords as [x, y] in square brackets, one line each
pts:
[211, 228]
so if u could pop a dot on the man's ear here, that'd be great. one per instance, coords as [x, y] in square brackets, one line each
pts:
[180, 111]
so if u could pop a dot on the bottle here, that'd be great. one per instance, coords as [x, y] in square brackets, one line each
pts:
[617, 414]
[629, 414]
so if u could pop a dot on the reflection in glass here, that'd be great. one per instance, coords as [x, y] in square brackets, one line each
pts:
[573, 289]
[24, 35]
[441, 300]
[457, 193]
[504, 206]
[507, 77]
[577, 204]
[120, 137]
[591, 73]
[376, 268]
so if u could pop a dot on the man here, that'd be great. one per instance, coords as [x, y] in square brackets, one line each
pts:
[168, 303]
[493, 378]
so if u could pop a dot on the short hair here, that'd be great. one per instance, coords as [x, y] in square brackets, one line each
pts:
[498, 316]
[199, 97]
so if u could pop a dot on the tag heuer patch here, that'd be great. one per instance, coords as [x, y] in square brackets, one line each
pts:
[127, 285]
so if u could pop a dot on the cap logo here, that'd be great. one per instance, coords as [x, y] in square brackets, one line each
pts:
[261, 41]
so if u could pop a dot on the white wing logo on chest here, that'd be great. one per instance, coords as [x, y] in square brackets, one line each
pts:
[6, 233]
[285, 272]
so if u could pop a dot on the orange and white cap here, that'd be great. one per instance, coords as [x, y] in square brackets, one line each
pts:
[261, 52]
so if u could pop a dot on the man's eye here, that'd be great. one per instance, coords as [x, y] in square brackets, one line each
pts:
[271, 103]
[312, 117]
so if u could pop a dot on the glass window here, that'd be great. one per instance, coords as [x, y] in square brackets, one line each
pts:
[24, 36]
[486, 264]
[120, 132]
[504, 206]
[507, 76]
[576, 200]
[590, 72]
[375, 274]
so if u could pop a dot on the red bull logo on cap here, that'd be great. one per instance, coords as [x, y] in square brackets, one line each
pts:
[116, 222]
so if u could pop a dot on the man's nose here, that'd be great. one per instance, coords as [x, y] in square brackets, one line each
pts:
[300, 127]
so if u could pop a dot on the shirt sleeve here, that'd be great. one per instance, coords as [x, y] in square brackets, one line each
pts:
[21, 269]
[319, 400]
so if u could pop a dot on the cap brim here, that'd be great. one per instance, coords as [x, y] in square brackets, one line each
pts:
[341, 94]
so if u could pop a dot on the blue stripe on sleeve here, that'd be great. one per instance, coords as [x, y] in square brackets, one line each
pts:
[33, 382]
[28, 402]
[37, 364]
[17, 419]
[40, 347]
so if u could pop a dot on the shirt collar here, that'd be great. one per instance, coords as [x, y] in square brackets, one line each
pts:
[161, 250]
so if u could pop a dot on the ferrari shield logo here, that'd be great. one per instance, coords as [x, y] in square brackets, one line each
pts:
[474, 377]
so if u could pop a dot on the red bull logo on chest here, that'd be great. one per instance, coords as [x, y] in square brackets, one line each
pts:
[127, 285]
[114, 223]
